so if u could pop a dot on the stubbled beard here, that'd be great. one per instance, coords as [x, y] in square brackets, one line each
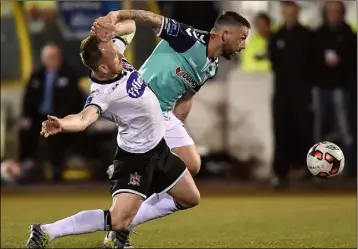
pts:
[117, 70]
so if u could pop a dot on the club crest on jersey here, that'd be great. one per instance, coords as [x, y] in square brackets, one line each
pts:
[184, 76]
[135, 85]
[134, 179]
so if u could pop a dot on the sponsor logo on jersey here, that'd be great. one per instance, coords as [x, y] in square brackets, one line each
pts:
[184, 76]
[171, 26]
[135, 85]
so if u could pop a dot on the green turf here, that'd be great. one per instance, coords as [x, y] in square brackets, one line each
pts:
[281, 221]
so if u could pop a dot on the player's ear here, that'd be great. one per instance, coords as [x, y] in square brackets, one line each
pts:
[103, 68]
[225, 36]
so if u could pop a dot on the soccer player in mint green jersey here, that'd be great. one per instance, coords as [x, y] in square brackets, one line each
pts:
[178, 67]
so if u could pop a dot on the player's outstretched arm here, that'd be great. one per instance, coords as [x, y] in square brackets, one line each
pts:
[139, 16]
[106, 30]
[71, 123]
[175, 33]
[79, 122]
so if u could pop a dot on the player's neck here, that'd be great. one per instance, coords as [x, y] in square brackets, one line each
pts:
[214, 48]
[103, 77]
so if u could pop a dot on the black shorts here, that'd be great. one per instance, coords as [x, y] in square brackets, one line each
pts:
[155, 171]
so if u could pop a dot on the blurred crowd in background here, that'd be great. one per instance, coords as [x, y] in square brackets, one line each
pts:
[295, 84]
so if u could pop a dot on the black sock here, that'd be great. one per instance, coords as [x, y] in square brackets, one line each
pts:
[107, 220]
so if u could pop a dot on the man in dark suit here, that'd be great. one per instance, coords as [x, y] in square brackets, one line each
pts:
[336, 68]
[352, 108]
[291, 51]
[52, 90]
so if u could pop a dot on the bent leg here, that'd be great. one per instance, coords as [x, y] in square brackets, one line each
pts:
[176, 191]
[118, 217]
[131, 179]
[171, 177]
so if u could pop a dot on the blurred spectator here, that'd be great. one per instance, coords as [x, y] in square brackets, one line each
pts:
[291, 51]
[353, 108]
[13, 172]
[54, 90]
[255, 56]
[38, 13]
[336, 64]
[42, 21]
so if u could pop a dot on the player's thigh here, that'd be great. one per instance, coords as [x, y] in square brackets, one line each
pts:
[181, 144]
[190, 156]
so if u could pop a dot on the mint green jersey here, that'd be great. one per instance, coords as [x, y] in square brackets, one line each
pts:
[179, 63]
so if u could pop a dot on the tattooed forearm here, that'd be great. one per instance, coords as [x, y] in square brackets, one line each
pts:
[141, 16]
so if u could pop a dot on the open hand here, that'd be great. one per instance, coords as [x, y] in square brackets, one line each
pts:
[104, 30]
[51, 126]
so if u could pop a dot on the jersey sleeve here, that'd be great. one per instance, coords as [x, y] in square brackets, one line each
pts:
[180, 35]
[97, 98]
[123, 41]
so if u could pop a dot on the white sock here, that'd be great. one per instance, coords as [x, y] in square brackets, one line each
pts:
[84, 222]
[156, 206]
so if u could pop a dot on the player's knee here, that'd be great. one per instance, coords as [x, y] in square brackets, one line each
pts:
[192, 199]
[195, 199]
[118, 221]
[190, 156]
[194, 165]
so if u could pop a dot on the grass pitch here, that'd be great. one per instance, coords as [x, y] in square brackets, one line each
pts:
[281, 221]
